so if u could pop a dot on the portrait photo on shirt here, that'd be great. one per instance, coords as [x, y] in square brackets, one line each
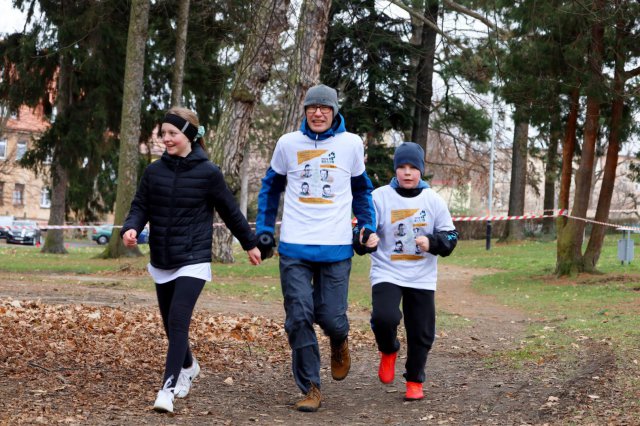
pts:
[400, 231]
[324, 175]
[326, 191]
[304, 189]
[307, 171]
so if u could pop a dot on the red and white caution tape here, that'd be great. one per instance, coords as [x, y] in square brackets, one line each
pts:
[521, 217]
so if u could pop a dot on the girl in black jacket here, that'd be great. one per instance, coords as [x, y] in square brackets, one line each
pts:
[177, 196]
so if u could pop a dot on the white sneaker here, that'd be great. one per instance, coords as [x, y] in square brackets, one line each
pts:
[164, 400]
[185, 379]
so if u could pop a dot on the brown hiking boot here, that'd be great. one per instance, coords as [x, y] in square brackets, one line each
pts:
[340, 360]
[311, 402]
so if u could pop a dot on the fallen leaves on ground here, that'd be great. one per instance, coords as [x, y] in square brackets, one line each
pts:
[64, 360]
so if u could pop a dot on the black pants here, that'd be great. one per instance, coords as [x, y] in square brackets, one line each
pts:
[177, 299]
[419, 321]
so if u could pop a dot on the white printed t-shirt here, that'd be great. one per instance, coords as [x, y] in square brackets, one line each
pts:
[318, 192]
[398, 259]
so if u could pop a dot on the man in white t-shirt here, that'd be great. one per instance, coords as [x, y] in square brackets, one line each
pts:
[315, 245]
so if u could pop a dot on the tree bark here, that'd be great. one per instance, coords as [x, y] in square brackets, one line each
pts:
[253, 72]
[304, 68]
[570, 259]
[551, 169]
[424, 76]
[181, 52]
[514, 229]
[54, 240]
[130, 126]
[596, 239]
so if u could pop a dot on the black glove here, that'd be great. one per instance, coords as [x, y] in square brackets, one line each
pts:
[266, 243]
[359, 247]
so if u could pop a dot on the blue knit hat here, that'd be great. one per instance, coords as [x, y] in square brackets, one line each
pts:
[322, 95]
[409, 153]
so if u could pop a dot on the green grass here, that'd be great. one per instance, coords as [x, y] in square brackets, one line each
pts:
[603, 307]
[600, 306]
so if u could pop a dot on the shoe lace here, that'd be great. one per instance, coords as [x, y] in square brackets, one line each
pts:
[337, 351]
[167, 384]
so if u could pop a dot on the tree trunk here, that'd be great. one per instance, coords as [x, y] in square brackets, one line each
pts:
[54, 240]
[514, 229]
[568, 150]
[424, 81]
[596, 239]
[570, 259]
[244, 182]
[253, 72]
[181, 52]
[304, 68]
[130, 126]
[551, 169]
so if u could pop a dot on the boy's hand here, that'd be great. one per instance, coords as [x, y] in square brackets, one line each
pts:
[364, 241]
[368, 238]
[130, 238]
[423, 243]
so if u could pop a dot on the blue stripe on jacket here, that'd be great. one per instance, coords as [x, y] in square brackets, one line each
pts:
[273, 185]
[362, 204]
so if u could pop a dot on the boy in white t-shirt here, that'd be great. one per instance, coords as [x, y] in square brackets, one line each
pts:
[320, 168]
[414, 226]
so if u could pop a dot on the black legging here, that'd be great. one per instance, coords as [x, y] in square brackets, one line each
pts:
[177, 299]
[419, 323]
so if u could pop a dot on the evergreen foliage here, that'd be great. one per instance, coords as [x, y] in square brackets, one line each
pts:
[367, 59]
[92, 37]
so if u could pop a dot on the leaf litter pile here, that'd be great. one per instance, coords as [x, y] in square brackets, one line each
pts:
[65, 361]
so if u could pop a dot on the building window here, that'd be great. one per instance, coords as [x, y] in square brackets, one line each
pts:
[18, 195]
[45, 198]
[3, 149]
[1, 193]
[21, 150]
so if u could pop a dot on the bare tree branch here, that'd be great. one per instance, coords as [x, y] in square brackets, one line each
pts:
[419, 16]
[632, 73]
[465, 11]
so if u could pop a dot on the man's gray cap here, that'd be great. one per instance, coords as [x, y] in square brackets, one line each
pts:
[322, 95]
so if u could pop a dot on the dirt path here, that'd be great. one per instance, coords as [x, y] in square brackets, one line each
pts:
[466, 385]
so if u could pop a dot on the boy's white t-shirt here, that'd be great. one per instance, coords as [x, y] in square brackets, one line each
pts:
[318, 193]
[400, 220]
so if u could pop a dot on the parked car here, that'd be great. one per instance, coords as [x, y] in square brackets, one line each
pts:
[102, 234]
[24, 232]
[5, 223]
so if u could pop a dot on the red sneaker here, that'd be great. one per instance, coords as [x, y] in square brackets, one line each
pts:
[387, 369]
[414, 392]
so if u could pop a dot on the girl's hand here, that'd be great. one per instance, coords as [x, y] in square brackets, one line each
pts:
[130, 238]
[254, 256]
[423, 243]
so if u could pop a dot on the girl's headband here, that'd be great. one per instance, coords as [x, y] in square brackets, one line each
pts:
[192, 132]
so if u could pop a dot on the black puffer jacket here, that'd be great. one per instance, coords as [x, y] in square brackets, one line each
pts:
[177, 196]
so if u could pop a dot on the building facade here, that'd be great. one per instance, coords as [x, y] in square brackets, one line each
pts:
[23, 195]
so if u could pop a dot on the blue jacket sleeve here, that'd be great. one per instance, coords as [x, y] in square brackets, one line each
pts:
[362, 204]
[268, 199]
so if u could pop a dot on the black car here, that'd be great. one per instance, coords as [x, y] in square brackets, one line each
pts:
[24, 232]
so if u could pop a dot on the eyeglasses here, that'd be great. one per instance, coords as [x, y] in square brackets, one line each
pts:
[311, 109]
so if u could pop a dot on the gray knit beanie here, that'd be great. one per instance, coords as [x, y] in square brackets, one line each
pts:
[322, 95]
[409, 153]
